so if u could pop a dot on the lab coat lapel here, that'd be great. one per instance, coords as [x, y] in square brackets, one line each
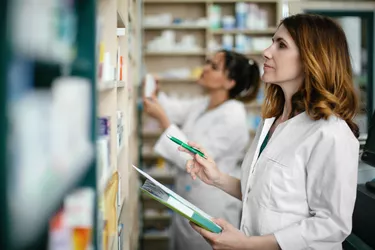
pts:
[266, 127]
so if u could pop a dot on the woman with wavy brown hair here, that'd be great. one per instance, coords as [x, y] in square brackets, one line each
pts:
[298, 183]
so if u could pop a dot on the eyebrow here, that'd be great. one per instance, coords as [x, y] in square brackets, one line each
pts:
[279, 39]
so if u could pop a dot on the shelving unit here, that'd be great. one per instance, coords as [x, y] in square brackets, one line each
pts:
[178, 36]
[117, 97]
[28, 78]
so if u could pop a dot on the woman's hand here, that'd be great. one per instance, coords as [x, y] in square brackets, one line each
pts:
[205, 169]
[230, 238]
[153, 108]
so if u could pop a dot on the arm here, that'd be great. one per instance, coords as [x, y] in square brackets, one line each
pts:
[175, 109]
[331, 191]
[230, 185]
[216, 142]
[167, 110]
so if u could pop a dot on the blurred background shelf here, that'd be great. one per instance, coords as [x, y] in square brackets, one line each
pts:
[174, 27]
[268, 31]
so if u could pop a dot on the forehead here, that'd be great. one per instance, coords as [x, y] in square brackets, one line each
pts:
[283, 33]
[218, 58]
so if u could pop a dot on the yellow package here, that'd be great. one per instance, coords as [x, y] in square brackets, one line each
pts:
[110, 206]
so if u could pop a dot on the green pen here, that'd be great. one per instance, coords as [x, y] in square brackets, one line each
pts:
[186, 146]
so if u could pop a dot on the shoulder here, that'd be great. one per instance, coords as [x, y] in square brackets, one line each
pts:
[234, 109]
[334, 131]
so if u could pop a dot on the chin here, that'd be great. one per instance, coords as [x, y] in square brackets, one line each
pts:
[200, 82]
[267, 79]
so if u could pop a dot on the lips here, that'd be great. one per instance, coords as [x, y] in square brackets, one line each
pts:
[267, 66]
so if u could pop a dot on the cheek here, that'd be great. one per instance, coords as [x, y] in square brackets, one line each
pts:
[295, 67]
[287, 68]
[214, 79]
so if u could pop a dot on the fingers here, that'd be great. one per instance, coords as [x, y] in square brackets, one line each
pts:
[206, 234]
[200, 159]
[221, 222]
[189, 165]
[147, 101]
[197, 146]
[154, 98]
[191, 169]
[185, 151]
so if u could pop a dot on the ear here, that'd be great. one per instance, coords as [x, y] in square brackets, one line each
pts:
[229, 84]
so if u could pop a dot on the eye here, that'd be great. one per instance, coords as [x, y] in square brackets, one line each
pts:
[282, 45]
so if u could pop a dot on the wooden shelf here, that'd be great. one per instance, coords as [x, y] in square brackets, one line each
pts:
[175, 53]
[176, 80]
[175, 27]
[174, 1]
[269, 31]
[121, 84]
[106, 85]
[245, 1]
[207, 1]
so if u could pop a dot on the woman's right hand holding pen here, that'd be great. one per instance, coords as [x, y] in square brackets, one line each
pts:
[203, 168]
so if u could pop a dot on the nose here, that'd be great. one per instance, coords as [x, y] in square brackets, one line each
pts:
[206, 67]
[267, 54]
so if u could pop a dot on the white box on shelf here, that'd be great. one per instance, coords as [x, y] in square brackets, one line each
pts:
[150, 86]
[121, 31]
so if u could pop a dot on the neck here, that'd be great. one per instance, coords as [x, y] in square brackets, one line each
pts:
[217, 98]
[288, 94]
[287, 110]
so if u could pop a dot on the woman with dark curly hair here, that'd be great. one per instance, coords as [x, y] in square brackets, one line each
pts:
[216, 121]
[298, 183]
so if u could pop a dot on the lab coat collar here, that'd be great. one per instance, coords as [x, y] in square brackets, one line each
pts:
[268, 122]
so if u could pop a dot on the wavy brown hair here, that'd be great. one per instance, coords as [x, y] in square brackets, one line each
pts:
[328, 86]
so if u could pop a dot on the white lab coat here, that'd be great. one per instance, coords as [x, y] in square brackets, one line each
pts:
[302, 188]
[224, 134]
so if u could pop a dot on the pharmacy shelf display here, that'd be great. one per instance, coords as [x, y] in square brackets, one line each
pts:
[178, 36]
[118, 77]
[68, 116]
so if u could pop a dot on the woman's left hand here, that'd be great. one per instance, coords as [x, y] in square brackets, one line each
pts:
[153, 108]
[229, 238]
